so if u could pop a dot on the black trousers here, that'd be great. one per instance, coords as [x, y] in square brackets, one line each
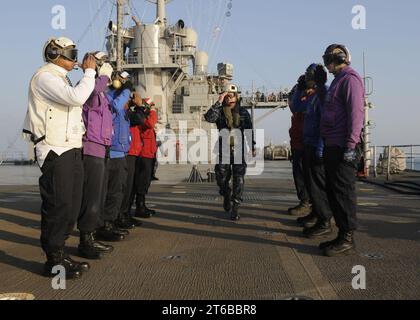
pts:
[314, 172]
[61, 185]
[341, 188]
[155, 167]
[143, 175]
[116, 175]
[128, 192]
[93, 193]
[236, 172]
[298, 175]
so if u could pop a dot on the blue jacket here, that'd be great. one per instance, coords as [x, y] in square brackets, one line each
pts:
[121, 124]
[313, 109]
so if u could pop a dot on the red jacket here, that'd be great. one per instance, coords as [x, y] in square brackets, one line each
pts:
[136, 144]
[148, 136]
[296, 131]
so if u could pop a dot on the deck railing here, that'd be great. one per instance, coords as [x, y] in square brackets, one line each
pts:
[381, 154]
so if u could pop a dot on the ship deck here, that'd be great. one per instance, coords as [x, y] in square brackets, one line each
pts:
[191, 250]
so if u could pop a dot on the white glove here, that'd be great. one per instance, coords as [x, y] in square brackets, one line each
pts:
[106, 70]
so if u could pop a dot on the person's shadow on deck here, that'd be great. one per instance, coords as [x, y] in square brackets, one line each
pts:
[24, 222]
[214, 208]
[30, 266]
[302, 248]
[17, 238]
[214, 215]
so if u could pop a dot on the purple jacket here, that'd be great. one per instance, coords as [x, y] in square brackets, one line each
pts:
[97, 117]
[343, 117]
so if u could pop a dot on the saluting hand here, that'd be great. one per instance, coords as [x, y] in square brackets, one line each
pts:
[222, 97]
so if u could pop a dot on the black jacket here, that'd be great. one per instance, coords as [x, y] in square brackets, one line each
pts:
[216, 115]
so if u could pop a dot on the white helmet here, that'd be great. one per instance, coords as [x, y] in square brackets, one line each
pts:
[56, 47]
[231, 88]
[101, 56]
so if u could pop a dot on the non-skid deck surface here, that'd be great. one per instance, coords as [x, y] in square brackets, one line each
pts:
[191, 250]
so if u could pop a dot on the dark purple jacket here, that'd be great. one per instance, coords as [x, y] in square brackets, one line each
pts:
[343, 117]
[97, 117]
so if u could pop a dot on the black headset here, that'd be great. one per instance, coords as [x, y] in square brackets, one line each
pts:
[52, 52]
[337, 58]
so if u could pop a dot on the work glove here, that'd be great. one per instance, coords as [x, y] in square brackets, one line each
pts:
[136, 99]
[136, 116]
[320, 76]
[106, 70]
[147, 112]
[349, 155]
[301, 86]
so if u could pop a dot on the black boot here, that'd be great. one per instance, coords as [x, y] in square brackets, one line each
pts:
[108, 233]
[320, 229]
[124, 222]
[58, 258]
[80, 266]
[89, 248]
[135, 222]
[326, 244]
[227, 202]
[119, 230]
[302, 208]
[343, 246]
[141, 210]
[127, 222]
[307, 221]
[151, 211]
[234, 214]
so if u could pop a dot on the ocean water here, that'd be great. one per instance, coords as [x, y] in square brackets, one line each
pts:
[19, 175]
[416, 165]
[29, 175]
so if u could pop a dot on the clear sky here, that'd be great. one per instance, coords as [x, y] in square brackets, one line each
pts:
[270, 42]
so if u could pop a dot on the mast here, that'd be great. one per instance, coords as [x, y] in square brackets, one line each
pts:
[161, 11]
[366, 129]
[253, 103]
[120, 25]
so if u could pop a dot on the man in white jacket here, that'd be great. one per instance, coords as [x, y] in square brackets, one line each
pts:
[54, 124]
